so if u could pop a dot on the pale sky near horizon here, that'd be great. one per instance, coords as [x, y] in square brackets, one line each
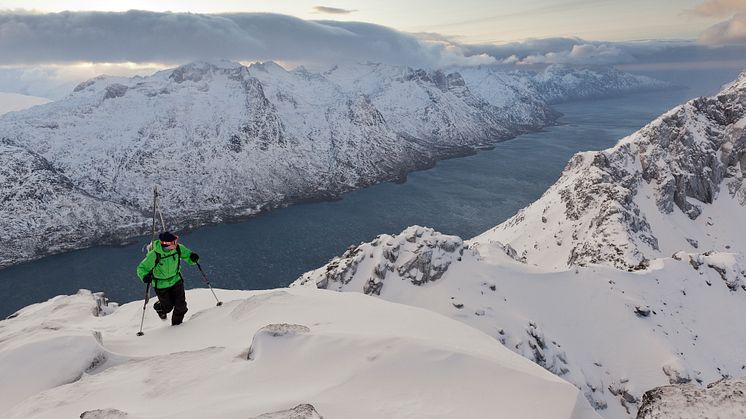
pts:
[470, 21]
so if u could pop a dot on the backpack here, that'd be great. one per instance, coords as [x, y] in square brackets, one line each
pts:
[158, 260]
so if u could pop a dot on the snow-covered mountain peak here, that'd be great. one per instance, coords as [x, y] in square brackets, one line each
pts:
[195, 72]
[267, 67]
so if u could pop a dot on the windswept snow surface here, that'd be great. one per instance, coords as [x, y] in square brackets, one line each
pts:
[612, 333]
[628, 274]
[287, 353]
[225, 141]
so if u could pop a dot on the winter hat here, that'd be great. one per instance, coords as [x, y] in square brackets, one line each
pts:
[166, 236]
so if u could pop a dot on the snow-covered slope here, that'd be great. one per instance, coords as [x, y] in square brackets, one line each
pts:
[288, 353]
[612, 332]
[223, 140]
[677, 184]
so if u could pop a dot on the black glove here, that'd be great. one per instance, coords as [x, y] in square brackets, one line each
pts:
[194, 257]
[148, 278]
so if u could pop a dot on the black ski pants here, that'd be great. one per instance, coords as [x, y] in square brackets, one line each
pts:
[172, 298]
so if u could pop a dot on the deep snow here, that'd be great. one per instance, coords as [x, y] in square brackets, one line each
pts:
[347, 355]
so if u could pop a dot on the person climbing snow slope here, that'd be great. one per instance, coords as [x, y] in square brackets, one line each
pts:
[162, 268]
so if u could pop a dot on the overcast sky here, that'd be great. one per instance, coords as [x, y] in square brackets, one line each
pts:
[47, 43]
[473, 21]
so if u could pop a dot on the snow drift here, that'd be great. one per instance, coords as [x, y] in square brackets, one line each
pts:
[289, 353]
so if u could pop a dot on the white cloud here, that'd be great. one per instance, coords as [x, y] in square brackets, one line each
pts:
[581, 54]
[576, 51]
[730, 32]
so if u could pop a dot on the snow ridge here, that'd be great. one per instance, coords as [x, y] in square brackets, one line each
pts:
[282, 354]
[624, 205]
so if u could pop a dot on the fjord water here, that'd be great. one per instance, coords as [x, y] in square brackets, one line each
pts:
[462, 196]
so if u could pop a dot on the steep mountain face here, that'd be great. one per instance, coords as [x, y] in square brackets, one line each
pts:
[440, 107]
[675, 184]
[622, 316]
[223, 141]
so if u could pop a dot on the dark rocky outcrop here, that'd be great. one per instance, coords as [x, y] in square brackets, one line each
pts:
[723, 399]
[302, 411]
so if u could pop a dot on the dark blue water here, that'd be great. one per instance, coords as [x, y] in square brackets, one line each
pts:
[463, 196]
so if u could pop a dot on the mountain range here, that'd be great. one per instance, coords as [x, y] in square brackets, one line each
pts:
[225, 141]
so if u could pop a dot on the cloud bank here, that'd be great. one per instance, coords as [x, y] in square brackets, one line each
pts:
[141, 36]
[576, 51]
[41, 54]
[32, 39]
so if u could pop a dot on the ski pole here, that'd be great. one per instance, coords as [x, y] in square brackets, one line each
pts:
[144, 306]
[147, 286]
[220, 303]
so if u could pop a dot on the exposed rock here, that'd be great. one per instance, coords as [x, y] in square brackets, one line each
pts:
[623, 392]
[105, 414]
[724, 399]
[418, 255]
[642, 311]
[675, 373]
[547, 354]
[115, 90]
[729, 266]
[302, 411]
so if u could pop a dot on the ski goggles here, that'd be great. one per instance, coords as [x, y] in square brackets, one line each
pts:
[169, 244]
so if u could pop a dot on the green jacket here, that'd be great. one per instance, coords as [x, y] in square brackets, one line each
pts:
[167, 273]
